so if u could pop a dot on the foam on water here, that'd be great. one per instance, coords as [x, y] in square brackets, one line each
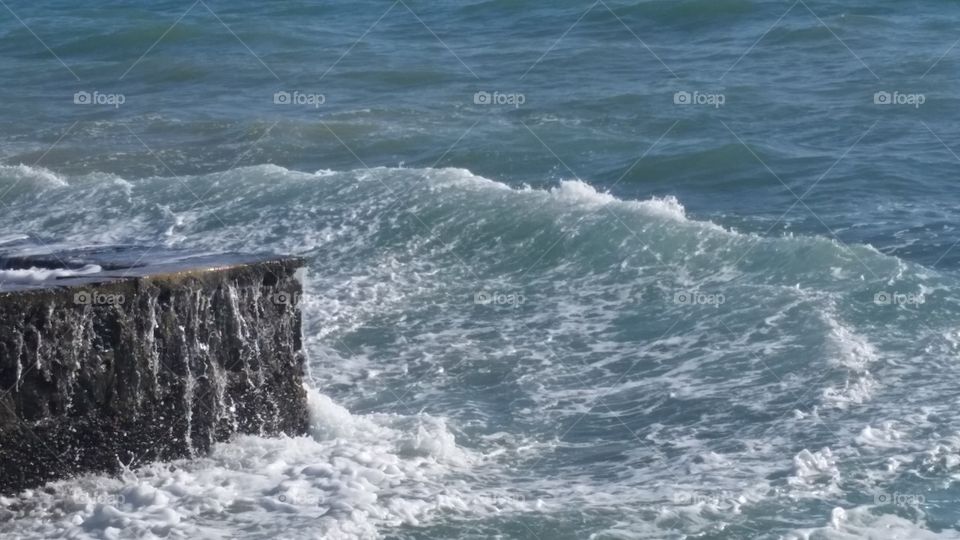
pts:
[861, 522]
[39, 275]
[630, 409]
[599, 402]
[354, 477]
[11, 238]
[38, 176]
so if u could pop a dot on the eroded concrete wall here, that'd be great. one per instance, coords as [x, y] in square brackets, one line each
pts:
[99, 375]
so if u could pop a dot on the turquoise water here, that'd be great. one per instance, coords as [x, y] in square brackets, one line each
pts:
[577, 270]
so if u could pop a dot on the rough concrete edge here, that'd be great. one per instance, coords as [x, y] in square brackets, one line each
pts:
[297, 264]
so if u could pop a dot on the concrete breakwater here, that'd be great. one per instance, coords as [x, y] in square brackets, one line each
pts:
[106, 362]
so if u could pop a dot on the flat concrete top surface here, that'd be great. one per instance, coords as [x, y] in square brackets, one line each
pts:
[27, 266]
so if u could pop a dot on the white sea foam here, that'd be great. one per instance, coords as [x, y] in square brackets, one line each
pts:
[11, 238]
[849, 349]
[354, 477]
[860, 522]
[32, 174]
[815, 470]
[884, 436]
[39, 275]
[854, 353]
[390, 313]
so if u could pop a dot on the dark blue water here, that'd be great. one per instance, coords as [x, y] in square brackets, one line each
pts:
[660, 269]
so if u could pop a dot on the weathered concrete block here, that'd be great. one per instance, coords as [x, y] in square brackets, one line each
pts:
[136, 363]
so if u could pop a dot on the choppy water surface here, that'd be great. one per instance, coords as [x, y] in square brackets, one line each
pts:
[611, 270]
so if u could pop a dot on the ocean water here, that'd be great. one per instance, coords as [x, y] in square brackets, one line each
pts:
[608, 270]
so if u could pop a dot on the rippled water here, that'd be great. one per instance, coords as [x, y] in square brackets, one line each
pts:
[612, 270]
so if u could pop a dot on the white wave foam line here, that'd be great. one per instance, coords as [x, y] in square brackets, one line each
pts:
[11, 238]
[581, 192]
[569, 194]
[575, 192]
[354, 477]
[854, 353]
[39, 275]
[38, 175]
